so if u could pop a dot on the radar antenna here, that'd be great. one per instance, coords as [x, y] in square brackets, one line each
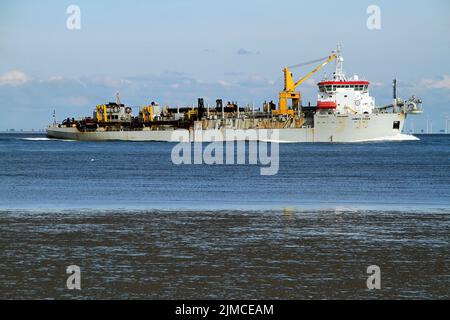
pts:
[339, 73]
[118, 98]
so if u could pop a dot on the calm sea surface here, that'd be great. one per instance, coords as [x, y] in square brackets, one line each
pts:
[141, 227]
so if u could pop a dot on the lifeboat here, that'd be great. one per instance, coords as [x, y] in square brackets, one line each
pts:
[326, 105]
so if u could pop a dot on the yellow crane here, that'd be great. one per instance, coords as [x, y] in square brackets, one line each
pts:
[290, 86]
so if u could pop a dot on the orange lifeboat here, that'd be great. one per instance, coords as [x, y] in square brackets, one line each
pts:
[326, 105]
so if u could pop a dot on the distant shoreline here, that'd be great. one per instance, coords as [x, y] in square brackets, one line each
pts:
[43, 132]
[24, 132]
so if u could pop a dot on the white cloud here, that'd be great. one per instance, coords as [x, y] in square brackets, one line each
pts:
[437, 84]
[52, 79]
[377, 84]
[258, 81]
[75, 101]
[14, 78]
[106, 81]
[244, 52]
[224, 83]
[311, 82]
[55, 78]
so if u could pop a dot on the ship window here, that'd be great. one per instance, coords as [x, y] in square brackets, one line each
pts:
[396, 125]
[328, 88]
[347, 86]
[321, 89]
[334, 88]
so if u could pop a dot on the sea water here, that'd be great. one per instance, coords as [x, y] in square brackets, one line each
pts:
[141, 227]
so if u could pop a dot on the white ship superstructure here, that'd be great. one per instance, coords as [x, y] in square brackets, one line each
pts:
[345, 95]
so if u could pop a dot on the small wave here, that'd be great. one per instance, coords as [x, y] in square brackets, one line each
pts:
[398, 137]
[276, 141]
[44, 139]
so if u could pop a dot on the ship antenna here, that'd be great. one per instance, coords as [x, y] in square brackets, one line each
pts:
[394, 96]
[339, 73]
[118, 98]
[54, 116]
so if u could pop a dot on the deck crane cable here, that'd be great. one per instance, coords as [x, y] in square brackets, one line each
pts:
[308, 62]
[280, 78]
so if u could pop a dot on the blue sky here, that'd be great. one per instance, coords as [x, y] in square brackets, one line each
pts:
[175, 51]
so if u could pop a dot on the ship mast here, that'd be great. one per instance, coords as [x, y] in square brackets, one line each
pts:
[118, 98]
[339, 74]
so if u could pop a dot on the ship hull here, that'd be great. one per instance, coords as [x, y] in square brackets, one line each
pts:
[327, 128]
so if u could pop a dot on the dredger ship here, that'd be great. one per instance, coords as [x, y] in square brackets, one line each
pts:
[345, 112]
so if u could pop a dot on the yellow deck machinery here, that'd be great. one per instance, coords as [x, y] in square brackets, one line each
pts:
[290, 93]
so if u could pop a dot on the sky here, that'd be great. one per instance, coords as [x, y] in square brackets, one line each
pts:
[176, 51]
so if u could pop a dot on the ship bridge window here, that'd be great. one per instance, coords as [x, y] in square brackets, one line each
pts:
[328, 88]
[322, 89]
[396, 125]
